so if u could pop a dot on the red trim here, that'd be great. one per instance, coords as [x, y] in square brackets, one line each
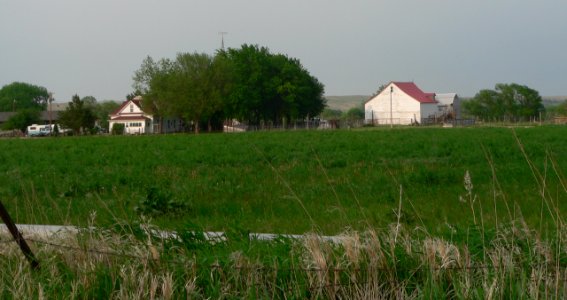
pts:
[127, 118]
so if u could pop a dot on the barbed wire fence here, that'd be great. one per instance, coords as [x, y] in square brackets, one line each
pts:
[316, 279]
[333, 269]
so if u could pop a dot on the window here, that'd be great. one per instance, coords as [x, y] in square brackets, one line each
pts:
[131, 107]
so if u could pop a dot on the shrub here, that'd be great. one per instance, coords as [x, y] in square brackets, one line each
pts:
[159, 202]
[118, 129]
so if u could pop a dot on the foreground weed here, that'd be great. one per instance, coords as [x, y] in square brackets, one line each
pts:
[386, 263]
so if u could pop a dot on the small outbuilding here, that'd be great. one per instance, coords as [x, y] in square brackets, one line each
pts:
[449, 105]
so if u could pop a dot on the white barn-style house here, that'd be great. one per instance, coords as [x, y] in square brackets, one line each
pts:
[131, 115]
[136, 121]
[404, 103]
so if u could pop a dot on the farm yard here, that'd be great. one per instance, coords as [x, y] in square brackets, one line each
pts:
[422, 212]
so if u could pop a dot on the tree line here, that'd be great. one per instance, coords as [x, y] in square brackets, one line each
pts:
[507, 102]
[27, 101]
[248, 84]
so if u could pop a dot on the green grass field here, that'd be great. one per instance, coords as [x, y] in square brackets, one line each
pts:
[291, 182]
[413, 224]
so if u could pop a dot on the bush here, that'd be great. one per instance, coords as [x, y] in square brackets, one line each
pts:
[118, 129]
[158, 202]
[22, 119]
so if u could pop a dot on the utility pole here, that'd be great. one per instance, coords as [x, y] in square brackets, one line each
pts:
[49, 100]
[222, 34]
[391, 119]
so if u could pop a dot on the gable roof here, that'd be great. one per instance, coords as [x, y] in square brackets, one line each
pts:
[130, 118]
[446, 98]
[137, 102]
[413, 91]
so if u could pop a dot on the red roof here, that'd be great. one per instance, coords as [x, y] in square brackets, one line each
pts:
[130, 118]
[413, 91]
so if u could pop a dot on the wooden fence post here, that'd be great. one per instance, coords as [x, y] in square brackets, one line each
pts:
[18, 237]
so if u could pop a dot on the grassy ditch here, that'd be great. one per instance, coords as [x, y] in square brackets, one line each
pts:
[510, 262]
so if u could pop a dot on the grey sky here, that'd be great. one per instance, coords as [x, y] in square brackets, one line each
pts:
[93, 47]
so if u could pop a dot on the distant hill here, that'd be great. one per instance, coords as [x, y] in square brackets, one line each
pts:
[345, 103]
[553, 100]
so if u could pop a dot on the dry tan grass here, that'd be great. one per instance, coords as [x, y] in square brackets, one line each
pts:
[372, 264]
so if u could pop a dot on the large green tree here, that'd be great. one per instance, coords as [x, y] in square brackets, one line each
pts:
[102, 110]
[78, 116]
[19, 96]
[249, 84]
[271, 87]
[89, 101]
[22, 119]
[510, 102]
[560, 109]
[190, 87]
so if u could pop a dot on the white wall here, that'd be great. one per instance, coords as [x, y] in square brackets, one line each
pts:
[146, 126]
[405, 109]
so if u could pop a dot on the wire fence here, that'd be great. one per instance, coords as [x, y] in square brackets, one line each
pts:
[329, 280]
[421, 268]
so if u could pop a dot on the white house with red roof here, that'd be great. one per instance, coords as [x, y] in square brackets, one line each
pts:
[400, 103]
[136, 121]
[131, 115]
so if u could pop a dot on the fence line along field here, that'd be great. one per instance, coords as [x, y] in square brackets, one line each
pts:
[291, 182]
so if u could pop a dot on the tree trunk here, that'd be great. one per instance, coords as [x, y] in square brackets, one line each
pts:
[196, 126]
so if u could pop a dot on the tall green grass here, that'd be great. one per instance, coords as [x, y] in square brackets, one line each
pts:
[290, 182]
[421, 213]
[395, 262]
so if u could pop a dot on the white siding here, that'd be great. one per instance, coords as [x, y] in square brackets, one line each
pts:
[133, 126]
[404, 109]
[449, 102]
[138, 122]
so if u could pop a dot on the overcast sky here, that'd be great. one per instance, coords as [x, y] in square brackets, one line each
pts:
[93, 47]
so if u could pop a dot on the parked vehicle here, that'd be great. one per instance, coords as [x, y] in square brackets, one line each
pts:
[38, 130]
[45, 130]
[60, 130]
